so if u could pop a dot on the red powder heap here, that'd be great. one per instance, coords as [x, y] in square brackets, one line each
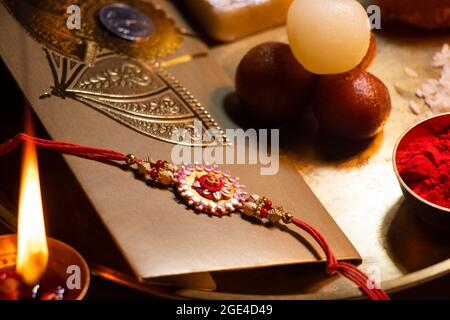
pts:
[424, 165]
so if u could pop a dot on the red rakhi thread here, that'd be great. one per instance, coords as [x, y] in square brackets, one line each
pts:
[347, 270]
[64, 147]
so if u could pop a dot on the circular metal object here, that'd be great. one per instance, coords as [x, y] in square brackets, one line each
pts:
[45, 21]
[61, 257]
[126, 21]
[358, 185]
[130, 159]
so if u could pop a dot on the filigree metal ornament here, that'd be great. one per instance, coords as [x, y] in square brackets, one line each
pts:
[147, 99]
[118, 77]
[45, 21]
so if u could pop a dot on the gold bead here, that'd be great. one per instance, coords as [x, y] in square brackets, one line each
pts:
[287, 218]
[249, 209]
[130, 159]
[144, 168]
[165, 177]
[166, 165]
[275, 215]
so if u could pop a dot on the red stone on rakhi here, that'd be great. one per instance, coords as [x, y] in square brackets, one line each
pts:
[159, 164]
[263, 212]
[154, 174]
[268, 204]
[211, 182]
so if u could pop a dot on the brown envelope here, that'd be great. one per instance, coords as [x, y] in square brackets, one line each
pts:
[157, 235]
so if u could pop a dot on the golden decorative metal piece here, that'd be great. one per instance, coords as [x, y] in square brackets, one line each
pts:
[145, 98]
[275, 214]
[45, 21]
[93, 66]
[130, 159]
[259, 205]
[288, 217]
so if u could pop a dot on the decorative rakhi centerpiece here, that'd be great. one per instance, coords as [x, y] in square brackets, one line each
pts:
[209, 189]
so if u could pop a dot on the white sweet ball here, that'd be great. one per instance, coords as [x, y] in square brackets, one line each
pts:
[328, 36]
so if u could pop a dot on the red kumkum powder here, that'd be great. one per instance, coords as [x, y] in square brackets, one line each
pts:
[424, 165]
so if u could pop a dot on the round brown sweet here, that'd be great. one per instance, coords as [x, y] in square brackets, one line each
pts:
[352, 105]
[270, 82]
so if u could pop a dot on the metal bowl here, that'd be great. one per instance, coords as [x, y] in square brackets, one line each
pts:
[63, 261]
[435, 215]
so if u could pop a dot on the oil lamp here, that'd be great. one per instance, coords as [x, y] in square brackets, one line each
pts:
[33, 266]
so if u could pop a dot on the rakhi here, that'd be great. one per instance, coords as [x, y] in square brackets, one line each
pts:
[208, 189]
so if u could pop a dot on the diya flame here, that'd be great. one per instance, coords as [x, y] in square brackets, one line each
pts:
[32, 250]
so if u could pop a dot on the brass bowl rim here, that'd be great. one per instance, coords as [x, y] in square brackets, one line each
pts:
[85, 288]
[397, 174]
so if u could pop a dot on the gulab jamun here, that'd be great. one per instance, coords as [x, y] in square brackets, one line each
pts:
[271, 83]
[353, 105]
[328, 36]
